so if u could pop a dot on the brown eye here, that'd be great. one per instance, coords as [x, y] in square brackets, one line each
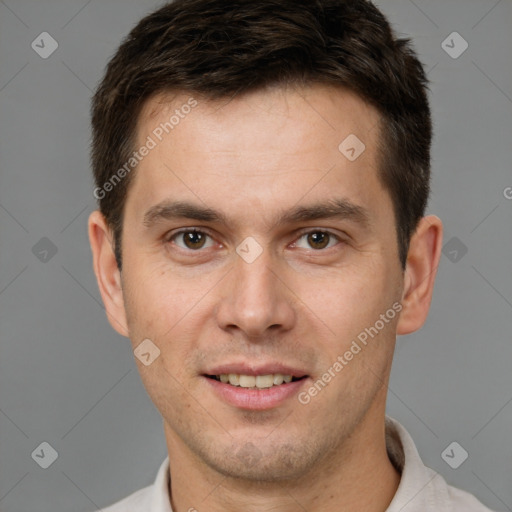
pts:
[193, 240]
[318, 239]
[190, 239]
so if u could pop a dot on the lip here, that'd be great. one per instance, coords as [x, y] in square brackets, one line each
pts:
[252, 398]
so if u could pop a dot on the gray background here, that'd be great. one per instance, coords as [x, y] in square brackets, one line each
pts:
[68, 379]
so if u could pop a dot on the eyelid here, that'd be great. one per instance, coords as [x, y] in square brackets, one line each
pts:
[173, 234]
[298, 235]
[307, 231]
[189, 229]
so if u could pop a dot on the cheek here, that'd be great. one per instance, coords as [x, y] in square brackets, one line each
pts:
[350, 304]
[152, 302]
[167, 308]
[348, 296]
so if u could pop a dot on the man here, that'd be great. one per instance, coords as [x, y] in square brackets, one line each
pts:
[262, 170]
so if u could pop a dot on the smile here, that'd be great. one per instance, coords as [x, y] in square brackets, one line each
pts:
[254, 381]
[255, 392]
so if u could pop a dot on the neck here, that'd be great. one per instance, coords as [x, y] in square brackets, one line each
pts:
[356, 477]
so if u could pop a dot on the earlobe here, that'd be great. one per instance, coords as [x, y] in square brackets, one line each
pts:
[107, 273]
[422, 262]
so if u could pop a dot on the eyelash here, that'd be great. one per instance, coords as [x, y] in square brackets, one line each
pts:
[171, 237]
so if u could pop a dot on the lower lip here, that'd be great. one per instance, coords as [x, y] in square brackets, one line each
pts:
[254, 398]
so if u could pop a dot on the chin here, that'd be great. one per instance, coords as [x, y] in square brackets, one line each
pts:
[256, 463]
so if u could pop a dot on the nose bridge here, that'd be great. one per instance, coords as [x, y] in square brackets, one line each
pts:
[253, 280]
[256, 299]
[254, 287]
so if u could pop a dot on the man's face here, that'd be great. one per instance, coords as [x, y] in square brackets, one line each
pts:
[293, 298]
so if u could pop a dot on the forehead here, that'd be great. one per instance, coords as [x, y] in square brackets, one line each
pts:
[333, 107]
[280, 143]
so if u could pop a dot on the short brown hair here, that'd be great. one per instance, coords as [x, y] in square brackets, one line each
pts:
[222, 48]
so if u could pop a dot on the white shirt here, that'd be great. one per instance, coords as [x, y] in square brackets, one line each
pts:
[421, 489]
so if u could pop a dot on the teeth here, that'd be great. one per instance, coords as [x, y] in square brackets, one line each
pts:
[278, 379]
[250, 381]
[247, 381]
[264, 381]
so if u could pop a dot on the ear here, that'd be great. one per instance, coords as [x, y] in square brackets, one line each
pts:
[107, 272]
[420, 273]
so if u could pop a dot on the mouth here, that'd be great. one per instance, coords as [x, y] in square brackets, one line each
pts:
[267, 381]
[246, 387]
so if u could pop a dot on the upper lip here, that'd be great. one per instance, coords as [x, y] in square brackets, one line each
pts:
[246, 368]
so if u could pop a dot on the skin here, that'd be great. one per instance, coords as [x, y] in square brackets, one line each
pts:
[300, 302]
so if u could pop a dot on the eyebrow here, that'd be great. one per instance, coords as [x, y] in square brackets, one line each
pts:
[169, 210]
[333, 209]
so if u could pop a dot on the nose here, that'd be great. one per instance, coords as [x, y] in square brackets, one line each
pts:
[255, 299]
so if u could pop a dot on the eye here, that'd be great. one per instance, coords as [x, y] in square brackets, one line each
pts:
[318, 239]
[192, 239]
